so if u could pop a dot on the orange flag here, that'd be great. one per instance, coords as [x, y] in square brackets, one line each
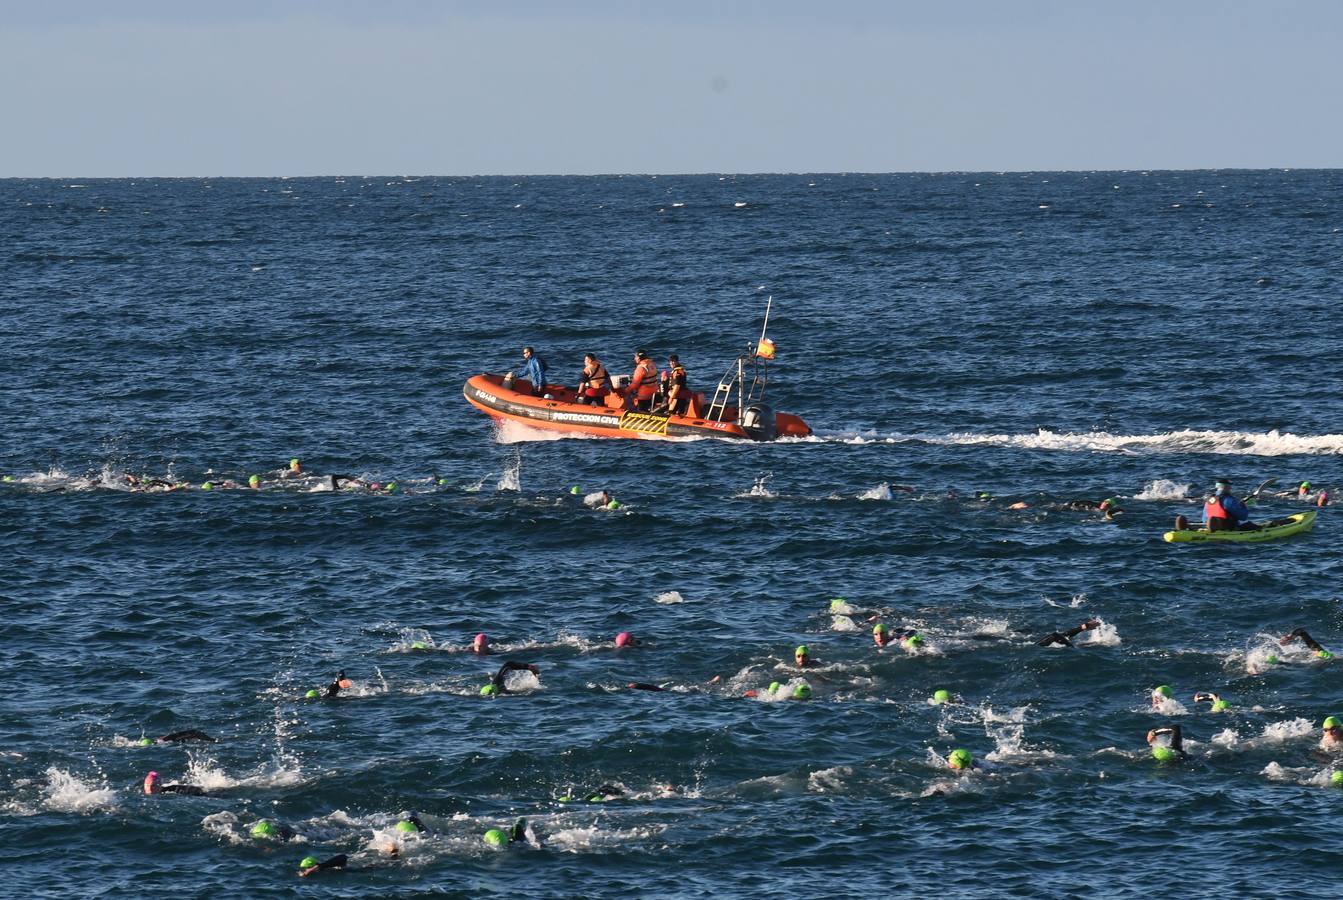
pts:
[766, 349]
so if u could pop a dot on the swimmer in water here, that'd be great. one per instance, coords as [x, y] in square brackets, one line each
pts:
[1306, 639]
[1160, 694]
[1218, 704]
[268, 829]
[625, 639]
[1171, 750]
[802, 656]
[883, 636]
[154, 785]
[182, 737]
[295, 470]
[603, 794]
[338, 684]
[310, 865]
[344, 482]
[1064, 638]
[498, 837]
[481, 645]
[497, 686]
[1332, 739]
[960, 760]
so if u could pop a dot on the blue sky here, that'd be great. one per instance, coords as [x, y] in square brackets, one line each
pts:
[149, 87]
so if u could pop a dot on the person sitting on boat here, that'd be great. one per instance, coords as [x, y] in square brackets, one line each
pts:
[593, 385]
[1224, 511]
[534, 371]
[643, 384]
[676, 395]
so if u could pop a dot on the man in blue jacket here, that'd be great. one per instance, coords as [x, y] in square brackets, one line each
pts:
[1224, 511]
[534, 371]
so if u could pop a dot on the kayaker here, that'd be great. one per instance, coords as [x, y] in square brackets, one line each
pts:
[1064, 638]
[592, 386]
[1223, 511]
[534, 371]
[1306, 639]
[1170, 750]
[497, 686]
[674, 391]
[643, 384]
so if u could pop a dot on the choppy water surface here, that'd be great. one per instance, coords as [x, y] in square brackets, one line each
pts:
[1039, 337]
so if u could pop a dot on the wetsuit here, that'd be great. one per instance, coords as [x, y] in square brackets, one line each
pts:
[339, 861]
[1063, 638]
[592, 386]
[644, 686]
[335, 687]
[510, 666]
[191, 734]
[1306, 639]
[189, 790]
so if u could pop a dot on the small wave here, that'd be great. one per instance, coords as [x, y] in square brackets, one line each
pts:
[669, 597]
[880, 492]
[1164, 489]
[70, 793]
[759, 489]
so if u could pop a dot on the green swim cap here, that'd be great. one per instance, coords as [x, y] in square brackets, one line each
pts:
[419, 645]
[802, 650]
[838, 604]
[983, 495]
[614, 504]
[308, 862]
[1337, 778]
[253, 480]
[941, 695]
[496, 838]
[1331, 722]
[293, 462]
[1325, 654]
[9, 478]
[575, 490]
[1163, 754]
[313, 694]
[1272, 659]
[1306, 485]
[912, 641]
[489, 690]
[208, 486]
[391, 487]
[1164, 690]
[960, 759]
[802, 691]
[773, 687]
[880, 628]
[264, 829]
[442, 482]
[1220, 706]
[407, 826]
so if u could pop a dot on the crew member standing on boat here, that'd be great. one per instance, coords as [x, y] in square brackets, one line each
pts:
[534, 371]
[674, 390]
[592, 386]
[643, 383]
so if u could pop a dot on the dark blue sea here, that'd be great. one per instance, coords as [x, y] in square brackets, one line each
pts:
[962, 344]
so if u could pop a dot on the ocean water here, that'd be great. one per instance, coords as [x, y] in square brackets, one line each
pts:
[1036, 336]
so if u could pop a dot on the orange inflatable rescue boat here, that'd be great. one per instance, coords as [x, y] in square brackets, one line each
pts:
[736, 410]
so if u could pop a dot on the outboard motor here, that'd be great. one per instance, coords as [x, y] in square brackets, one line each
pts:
[758, 422]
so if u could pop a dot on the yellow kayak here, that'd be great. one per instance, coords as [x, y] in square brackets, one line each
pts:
[1294, 525]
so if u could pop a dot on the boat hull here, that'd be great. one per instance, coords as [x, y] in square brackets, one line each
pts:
[560, 413]
[1301, 522]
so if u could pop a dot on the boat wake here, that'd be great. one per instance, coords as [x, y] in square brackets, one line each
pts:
[1246, 443]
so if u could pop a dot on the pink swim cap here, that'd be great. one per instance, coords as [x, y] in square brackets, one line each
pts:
[151, 781]
[624, 638]
[481, 640]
